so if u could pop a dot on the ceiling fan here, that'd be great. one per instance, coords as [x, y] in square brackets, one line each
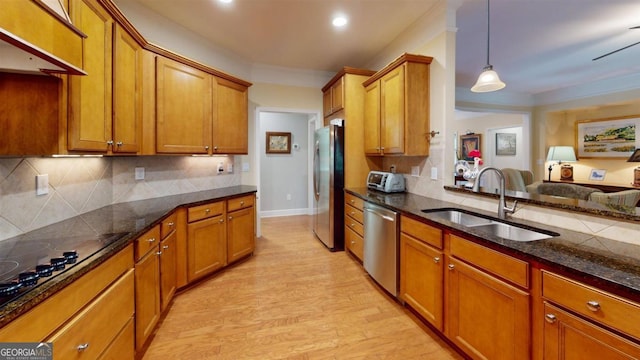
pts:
[622, 48]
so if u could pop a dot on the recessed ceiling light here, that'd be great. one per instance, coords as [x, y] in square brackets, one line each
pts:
[225, 1]
[340, 21]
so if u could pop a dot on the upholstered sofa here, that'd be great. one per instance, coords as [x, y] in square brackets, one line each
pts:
[517, 180]
[624, 198]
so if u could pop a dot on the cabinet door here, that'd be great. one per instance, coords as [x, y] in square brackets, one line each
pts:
[89, 120]
[421, 279]
[168, 264]
[372, 119]
[569, 337]
[127, 92]
[230, 123]
[486, 318]
[206, 247]
[183, 108]
[392, 111]
[337, 95]
[147, 297]
[241, 234]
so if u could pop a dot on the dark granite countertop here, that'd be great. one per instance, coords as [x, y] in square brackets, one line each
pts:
[608, 264]
[129, 219]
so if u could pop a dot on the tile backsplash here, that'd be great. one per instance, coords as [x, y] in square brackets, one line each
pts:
[79, 185]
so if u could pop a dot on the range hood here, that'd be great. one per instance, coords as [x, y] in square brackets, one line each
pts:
[18, 55]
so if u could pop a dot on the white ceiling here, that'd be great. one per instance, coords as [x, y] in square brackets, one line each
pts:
[536, 45]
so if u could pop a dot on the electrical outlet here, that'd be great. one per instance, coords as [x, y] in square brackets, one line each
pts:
[220, 168]
[42, 184]
[139, 173]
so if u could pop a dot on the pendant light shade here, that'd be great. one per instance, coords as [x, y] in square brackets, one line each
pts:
[488, 80]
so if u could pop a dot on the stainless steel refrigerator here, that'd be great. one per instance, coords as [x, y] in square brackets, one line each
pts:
[328, 180]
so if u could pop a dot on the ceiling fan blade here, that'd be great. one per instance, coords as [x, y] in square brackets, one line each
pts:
[635, 27]
[615, 51]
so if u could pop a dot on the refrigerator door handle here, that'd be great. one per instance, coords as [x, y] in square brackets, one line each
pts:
[316, 170]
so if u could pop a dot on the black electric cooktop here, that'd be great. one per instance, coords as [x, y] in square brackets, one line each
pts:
[25, 264]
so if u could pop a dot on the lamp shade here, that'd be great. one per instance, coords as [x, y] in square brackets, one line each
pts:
[561, 154]
[488, 81]
[635, 157]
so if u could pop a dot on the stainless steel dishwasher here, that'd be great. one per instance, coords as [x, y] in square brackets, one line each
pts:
[381, 246]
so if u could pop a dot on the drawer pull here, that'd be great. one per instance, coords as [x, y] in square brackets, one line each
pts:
[353, 242]
[151, 240]
[436, 259]
[82, 347]
[352, 201]
[451, 266]
[593, 305]
[352, 225]
[353, 213]
[221, 220]
[241, 203]
[165, 247]
[170, 224]
[550, 318]
[159, 253]
[207, 210]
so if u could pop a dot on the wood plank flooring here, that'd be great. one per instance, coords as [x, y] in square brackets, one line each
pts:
[293, 300]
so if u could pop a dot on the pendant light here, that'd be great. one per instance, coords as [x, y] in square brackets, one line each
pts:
[488, 79]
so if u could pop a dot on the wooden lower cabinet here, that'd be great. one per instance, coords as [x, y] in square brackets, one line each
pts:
[147, 297]
[354, 226]
[168, 270]
[91, 332]
[240, 233]
[421, 279]
[570, 337]
[486, 317]
[206, 246]
[123, 347]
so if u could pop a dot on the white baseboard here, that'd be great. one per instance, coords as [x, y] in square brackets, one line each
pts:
[286, 212]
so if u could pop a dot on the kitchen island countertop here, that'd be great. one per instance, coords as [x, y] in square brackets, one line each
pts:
[608, 264]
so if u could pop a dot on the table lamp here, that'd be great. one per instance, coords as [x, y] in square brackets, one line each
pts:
[635, 157]
[562, 154]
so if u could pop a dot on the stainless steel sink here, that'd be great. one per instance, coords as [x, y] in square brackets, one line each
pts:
[490, 226]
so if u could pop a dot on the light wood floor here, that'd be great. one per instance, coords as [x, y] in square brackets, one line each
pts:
[293, 300]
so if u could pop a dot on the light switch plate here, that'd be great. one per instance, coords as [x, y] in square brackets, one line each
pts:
[434, 173]
[42, 184]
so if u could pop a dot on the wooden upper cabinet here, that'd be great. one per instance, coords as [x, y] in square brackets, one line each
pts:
[401, 107]
[333, 97]
[230, 120]
[127, 92]
[372, 119]
[184, 108]
[90, 101]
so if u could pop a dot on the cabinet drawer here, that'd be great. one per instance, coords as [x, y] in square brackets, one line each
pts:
[88, 334]
[354, 242]
[355, 214]
[426, 233]
[354, 225]
[147, 241]
[499, 264]
[122, 346]
[592, 303]
[205, 211]
[354, 201]
[168, 225]
[240, 203]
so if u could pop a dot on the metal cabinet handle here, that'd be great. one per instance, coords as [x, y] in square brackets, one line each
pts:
[119, 143]
[436, 260]
[241, 203]
[206, 147]
[159, 253]
[353, 242]
[221, 220]
[110, 143]
[593, 305]
[451, 266]
[215, 148]
[165, 247]
[550, 318]
[207, 210]
[353, 213]
[352, 225]
[151, 240]
[352, 201]
[170, 224]
[82, 347]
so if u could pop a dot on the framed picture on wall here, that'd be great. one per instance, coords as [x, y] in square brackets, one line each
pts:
[607, 138]
[278, 142]
[505, 144]
[468, 143]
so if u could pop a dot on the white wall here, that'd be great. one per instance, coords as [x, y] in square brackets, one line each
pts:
[284, 178]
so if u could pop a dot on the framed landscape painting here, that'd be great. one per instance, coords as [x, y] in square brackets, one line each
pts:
[607, 138]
